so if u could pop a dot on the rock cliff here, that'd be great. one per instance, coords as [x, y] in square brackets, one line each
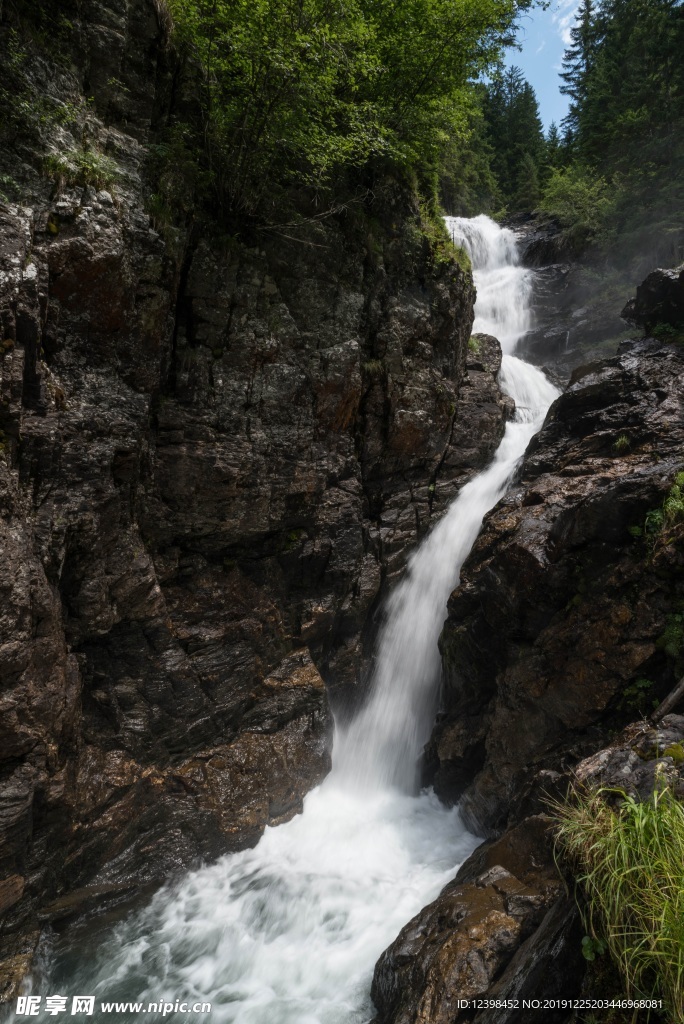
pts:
[215, 452]
[561, 607]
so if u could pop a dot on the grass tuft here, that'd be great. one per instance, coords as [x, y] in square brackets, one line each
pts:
[630, 864]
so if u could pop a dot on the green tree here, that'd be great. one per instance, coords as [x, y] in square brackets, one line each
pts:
[578, 60]
[625, 75]
[526, 195]
[292, 91]
[515, 133]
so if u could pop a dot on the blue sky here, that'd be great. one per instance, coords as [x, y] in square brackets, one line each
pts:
[543, 36]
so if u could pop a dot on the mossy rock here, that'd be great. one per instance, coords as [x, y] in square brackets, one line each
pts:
[676, 752]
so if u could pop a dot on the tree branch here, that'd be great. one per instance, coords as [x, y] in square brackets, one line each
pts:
[673, 698]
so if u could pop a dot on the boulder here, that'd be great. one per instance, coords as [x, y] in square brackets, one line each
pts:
[659, 301]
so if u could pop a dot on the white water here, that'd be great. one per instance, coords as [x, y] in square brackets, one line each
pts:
[289, 932]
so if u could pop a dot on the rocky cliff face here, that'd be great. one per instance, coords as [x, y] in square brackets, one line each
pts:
[561, 607]
[214, 455]
[576, 299]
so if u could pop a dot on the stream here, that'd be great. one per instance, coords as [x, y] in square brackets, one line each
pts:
[289, 932]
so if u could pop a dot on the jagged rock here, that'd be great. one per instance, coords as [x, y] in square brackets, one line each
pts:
[452, 951]
[574, 316]
[545, 243]
[640, 761]
[659, 300]
[504, 929]
[560, 607]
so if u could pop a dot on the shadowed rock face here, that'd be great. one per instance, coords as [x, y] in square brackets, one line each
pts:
[659, 301]
[560, 607]
[214, 458]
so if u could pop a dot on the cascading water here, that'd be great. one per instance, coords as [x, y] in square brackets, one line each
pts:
[288, 933]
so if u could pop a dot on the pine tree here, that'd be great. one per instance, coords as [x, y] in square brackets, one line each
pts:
[527, 194]
[578, 60]
[514, 130]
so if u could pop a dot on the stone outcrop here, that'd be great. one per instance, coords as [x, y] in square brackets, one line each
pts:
[215, 454]
[659, 301]
[455, 950]
[507, 928]
[575, 299]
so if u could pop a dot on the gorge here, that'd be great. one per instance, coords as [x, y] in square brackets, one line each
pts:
[308, 606]
[289, 931]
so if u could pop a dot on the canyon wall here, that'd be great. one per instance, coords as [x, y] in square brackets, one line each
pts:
[215, 453]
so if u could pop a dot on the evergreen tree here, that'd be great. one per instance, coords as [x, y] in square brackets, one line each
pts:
[554, 156]
[515, 133]
[624, 141]
[527, 195]
[554, 146]
[578, 60]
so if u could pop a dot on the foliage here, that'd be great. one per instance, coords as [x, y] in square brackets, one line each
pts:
[295, 90]
[671, 641]
[660, 523]
[467, 182]
[172, 167]
[667, 332]
[625, 128]
[630, 865]
[442, 247]
[676, 752]
[9, 188]
[591, 947]
[23, 110]
[577, 198]
[85, 166]
[638, 697]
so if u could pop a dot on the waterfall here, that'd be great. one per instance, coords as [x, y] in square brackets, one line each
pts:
[289, 932]
[503, 286]
[382, 746]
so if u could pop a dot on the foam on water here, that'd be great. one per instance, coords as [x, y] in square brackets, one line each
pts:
[503, 286]
[289, 932]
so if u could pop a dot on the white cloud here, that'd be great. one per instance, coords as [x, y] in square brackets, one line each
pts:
[541, 46]
[563, 18]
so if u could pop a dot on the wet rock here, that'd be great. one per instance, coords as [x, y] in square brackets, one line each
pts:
[452, 951]
[548, 965]
[659, 300]
[640, 761]
[560, 607]
[545, 244]
[575, 298]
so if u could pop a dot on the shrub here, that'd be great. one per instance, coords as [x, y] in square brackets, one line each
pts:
[630, 864]
[294, 90]
[81, 167]
[578, 198]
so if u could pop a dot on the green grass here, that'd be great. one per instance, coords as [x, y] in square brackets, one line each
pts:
[629, 862]
[660, 523]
